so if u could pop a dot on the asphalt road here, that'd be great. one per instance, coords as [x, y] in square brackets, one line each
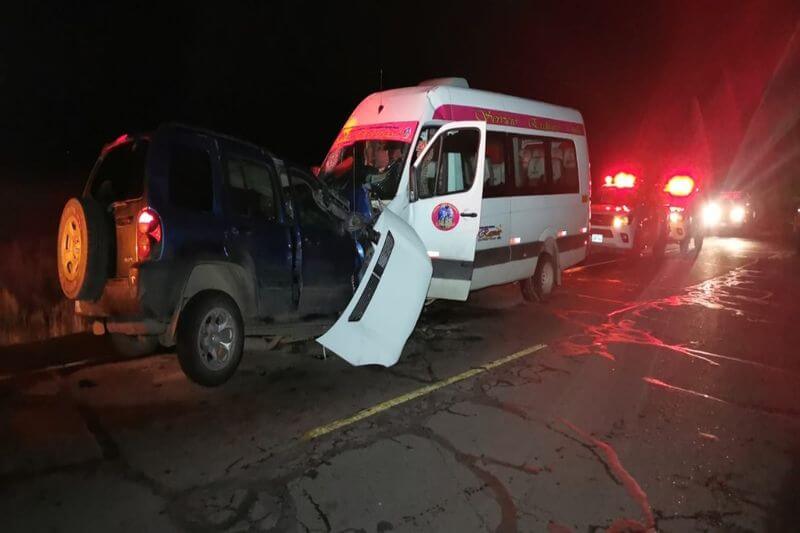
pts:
[643, 396]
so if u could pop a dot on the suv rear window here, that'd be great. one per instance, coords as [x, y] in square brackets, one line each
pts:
[120, 175]
[190, 184]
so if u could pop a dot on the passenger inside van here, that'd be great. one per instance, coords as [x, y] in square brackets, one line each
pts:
[531, 165]
[494, 173]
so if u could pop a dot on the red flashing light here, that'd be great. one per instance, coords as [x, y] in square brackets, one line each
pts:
[148, 234]
[680, 186]
[622, 180]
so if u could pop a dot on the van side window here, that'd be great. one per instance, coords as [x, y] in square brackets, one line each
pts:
[449, 166]
[250, 188]
[494, 173]
[565, 166]
[530, 166]
[190, 183]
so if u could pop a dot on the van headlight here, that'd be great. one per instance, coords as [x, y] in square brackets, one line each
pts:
[737, 214]
[712, 214]
[620, 221]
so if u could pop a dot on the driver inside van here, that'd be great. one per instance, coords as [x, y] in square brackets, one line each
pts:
[382, 160]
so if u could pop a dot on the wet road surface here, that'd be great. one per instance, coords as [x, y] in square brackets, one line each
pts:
[643, 396]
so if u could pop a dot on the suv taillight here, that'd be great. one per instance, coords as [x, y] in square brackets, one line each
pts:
[148, 235]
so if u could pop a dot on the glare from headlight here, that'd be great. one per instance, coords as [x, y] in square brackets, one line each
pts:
[737, 214]
[620, 221]
[712, 214]
[675, 217]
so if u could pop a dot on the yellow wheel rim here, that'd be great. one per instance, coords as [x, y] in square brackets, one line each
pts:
[71, 249]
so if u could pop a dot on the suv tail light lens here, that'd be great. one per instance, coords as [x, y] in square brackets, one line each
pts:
[149, 235]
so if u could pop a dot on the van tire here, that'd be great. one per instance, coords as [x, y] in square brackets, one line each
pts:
[201, 349]
[83, 249]
[134, 345]
[539, 287]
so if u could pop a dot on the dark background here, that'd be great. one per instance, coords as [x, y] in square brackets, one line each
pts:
[710, 86]
[286, 75]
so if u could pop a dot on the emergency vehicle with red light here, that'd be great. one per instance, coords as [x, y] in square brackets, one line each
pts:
[684, 203]
[626, 215]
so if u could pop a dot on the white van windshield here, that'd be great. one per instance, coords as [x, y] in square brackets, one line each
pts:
[371, 156]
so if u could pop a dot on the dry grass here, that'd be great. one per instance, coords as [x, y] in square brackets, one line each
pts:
[32, 307]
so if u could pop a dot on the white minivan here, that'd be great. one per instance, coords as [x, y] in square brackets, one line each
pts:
[495, 187]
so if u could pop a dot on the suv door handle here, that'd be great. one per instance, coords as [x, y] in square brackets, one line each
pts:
[470, 215]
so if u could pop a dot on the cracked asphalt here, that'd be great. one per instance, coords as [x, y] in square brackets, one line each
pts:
[667, 398]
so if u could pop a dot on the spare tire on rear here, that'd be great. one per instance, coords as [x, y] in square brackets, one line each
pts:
[84, 240]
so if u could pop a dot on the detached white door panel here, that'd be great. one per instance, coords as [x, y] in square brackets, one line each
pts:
[377, 322]
[447, 191]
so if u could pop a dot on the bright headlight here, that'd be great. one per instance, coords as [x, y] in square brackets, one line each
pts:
[737, 214]
[620, 221]
[712, 213]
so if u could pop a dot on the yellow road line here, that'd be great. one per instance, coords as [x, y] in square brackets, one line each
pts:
[379, 408]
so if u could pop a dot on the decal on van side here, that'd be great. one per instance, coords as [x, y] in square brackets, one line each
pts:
[490, 233]
[505, 118]
[445, 216]
[387, 131]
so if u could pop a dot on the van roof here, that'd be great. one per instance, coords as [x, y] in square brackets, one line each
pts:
[443, 94]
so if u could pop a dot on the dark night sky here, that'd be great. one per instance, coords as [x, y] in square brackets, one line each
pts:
[287, 75]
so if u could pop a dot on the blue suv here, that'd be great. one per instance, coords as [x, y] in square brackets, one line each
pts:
[192, 238]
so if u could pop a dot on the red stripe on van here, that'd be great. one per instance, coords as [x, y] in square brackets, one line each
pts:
[504, 118]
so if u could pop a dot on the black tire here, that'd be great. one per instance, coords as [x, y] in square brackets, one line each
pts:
[698, 242]
[684, 244]
[660, 248]
[539, 287]
[83, 249]
[204, 365]
[134, 345]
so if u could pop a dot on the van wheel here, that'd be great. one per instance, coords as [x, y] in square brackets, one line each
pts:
[134, 345]
[210, 339]
[84, 240]
[541, 284]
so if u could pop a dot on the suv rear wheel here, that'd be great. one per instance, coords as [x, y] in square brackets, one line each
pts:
[84, 240]
[210, 339]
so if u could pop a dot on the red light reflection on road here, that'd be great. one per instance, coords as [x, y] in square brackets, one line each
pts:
[733, 292]
[632, 487]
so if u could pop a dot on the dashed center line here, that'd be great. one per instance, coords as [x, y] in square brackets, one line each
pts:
[423, 391]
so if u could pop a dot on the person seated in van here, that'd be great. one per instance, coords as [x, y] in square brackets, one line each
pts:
[382, 172]
[494, 172]
[531, 161]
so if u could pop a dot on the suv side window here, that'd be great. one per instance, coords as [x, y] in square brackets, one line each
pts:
[120, 175]
[306, 208]
[251, 188]
[190, 184]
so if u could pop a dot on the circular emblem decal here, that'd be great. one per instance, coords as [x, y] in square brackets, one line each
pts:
[445, 217]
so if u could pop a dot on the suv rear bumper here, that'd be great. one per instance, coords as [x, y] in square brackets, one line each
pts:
[119, 298]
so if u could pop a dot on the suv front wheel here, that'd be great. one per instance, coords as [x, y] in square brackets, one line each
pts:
[210, 339]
